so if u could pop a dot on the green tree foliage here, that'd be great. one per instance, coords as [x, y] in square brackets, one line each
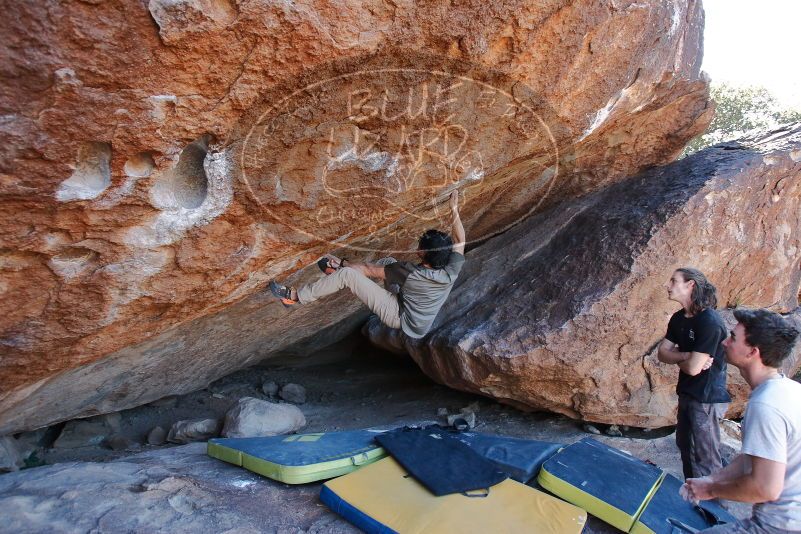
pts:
[738, 110]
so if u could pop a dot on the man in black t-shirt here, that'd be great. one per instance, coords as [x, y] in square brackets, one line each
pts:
[693, 343]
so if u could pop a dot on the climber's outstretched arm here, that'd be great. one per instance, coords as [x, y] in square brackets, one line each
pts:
[457, 229]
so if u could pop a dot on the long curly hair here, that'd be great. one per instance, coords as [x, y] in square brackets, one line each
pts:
[704, 294]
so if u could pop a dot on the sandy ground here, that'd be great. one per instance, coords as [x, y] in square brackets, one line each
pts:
[349, 386]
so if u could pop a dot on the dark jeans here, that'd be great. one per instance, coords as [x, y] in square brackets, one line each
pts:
[698, 436]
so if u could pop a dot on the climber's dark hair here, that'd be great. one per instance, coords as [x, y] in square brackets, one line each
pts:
[704, 294]
[436, 247]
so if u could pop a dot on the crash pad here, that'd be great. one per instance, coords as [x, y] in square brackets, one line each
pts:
[382, 497]
[300, 458]
[606, 482]
[439, 461]
[520, 458]
[667, 512]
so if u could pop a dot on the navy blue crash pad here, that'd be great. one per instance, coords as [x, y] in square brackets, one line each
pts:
[520, 458]
[666, 509]
[439, 461]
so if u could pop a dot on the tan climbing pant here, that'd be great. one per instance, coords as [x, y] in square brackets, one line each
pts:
[380, 301]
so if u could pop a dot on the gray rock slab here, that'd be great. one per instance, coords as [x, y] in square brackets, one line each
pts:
[179, 489]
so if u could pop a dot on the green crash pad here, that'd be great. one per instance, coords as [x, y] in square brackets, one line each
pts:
[300, 458]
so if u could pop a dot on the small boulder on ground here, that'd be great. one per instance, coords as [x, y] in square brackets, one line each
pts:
[118, 442]
[81, 434]
[27, 445]
[87, 432]
[270, 388]
[294, 393]
[731, 434]
[255, 417]
[473, 407]
[591, 429]
[30, 441]
[193, 430]
[462, 420]
[732, 428]
[157, 436]
[10, 457]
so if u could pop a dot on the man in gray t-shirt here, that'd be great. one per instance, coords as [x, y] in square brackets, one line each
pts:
[768, 470]
[422, 291]
[412, 294]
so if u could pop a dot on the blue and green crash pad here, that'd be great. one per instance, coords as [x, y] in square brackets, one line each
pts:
[606, 482]
[667, 512]
[300, 458]
[625, 492]
[382, 497]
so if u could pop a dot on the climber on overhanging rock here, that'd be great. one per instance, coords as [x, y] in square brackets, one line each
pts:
[414, 293]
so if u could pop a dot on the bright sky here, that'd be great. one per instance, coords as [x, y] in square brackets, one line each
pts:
[748, 42]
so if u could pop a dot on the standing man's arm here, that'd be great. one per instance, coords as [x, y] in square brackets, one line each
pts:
[690, 363]
[697, 362]
[457, 229]
[669, 353]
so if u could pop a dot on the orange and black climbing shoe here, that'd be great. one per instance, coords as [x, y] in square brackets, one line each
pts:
[282, 292]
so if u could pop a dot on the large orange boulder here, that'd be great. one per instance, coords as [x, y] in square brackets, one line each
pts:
[162, 160]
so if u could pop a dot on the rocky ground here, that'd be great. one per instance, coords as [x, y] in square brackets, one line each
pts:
[146, 488]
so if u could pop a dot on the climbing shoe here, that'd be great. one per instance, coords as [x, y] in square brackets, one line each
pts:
[282, 292]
